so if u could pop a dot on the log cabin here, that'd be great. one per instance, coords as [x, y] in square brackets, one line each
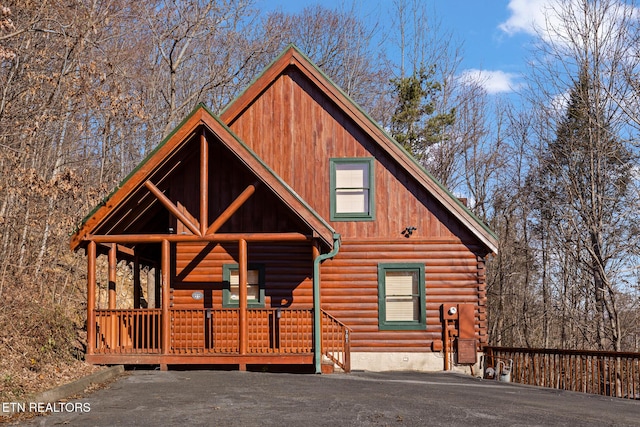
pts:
[290, 229]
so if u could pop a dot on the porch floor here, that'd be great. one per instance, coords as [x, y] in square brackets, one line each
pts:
[200, 359]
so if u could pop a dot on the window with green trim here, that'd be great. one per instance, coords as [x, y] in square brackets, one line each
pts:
[352, 189]
[401, 296]
[255, 285]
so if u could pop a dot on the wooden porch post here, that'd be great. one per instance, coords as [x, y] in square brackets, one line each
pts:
[166, 277]
[157, 286]
[136, 281]
[204, 184]
[91, 297]
[317, 318]
[113, 261]
[242, 295]
[112, 276]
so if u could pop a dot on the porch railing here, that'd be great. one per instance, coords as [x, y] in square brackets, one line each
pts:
[196, 331]
[336, 341]
[270, 330]
[607, 373]
[216, 331]
[128, 331]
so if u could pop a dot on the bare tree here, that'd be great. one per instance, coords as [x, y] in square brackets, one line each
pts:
[431, 57]
[584, 177]
[342, 45]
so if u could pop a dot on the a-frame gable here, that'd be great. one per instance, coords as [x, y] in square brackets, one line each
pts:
[137, 190]
[292, 57]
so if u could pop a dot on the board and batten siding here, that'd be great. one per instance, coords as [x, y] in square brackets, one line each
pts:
[453, 274]
[228, 178]
[296, 130]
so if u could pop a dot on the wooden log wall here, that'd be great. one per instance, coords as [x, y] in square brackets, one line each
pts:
[288, 270]
[292, 122]
[350, 289]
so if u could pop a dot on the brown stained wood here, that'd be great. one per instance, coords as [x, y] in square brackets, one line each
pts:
[204, 184]
[296, 122]
[435, 245]
[91, 297]
[112, 258]
[175, 211]
[288, 268]
[166, 283]
[161, 155]
[233, 208]
[201, 118]
[242, 295]
[313, 88]
[450, 277]
[183, 187]
[220, 237]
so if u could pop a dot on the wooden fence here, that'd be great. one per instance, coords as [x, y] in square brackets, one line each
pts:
[614, 374]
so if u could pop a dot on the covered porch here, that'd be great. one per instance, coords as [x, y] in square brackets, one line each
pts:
[162, 334]
[212, 336]
[189, 212]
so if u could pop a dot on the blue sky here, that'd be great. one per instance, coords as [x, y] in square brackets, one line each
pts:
[495, 34]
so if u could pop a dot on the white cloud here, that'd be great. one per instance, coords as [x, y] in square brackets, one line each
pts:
[557, 21]
[526, 16]
[492, 81]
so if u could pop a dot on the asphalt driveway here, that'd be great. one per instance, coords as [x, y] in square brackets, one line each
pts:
[231, 398]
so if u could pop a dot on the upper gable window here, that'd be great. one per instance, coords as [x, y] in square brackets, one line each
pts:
[352, 189]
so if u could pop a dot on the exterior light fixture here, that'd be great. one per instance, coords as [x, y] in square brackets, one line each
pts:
[408, 231]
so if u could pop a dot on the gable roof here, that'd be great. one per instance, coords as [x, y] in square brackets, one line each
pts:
[201, 116]
[293, 57]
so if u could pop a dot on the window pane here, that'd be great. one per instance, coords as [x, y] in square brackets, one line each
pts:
[352, 175]
[252, 277]
[402, 295]
[352, 201]
[401, 282]
[402, 309]
[253, 292]
[253, 286]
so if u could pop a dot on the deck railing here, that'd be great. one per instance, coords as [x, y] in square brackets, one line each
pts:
[607, 373]
[196, 331]
[128, 331]
[216, 331]
[335, 341]
[280, 330]
[269, 330]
